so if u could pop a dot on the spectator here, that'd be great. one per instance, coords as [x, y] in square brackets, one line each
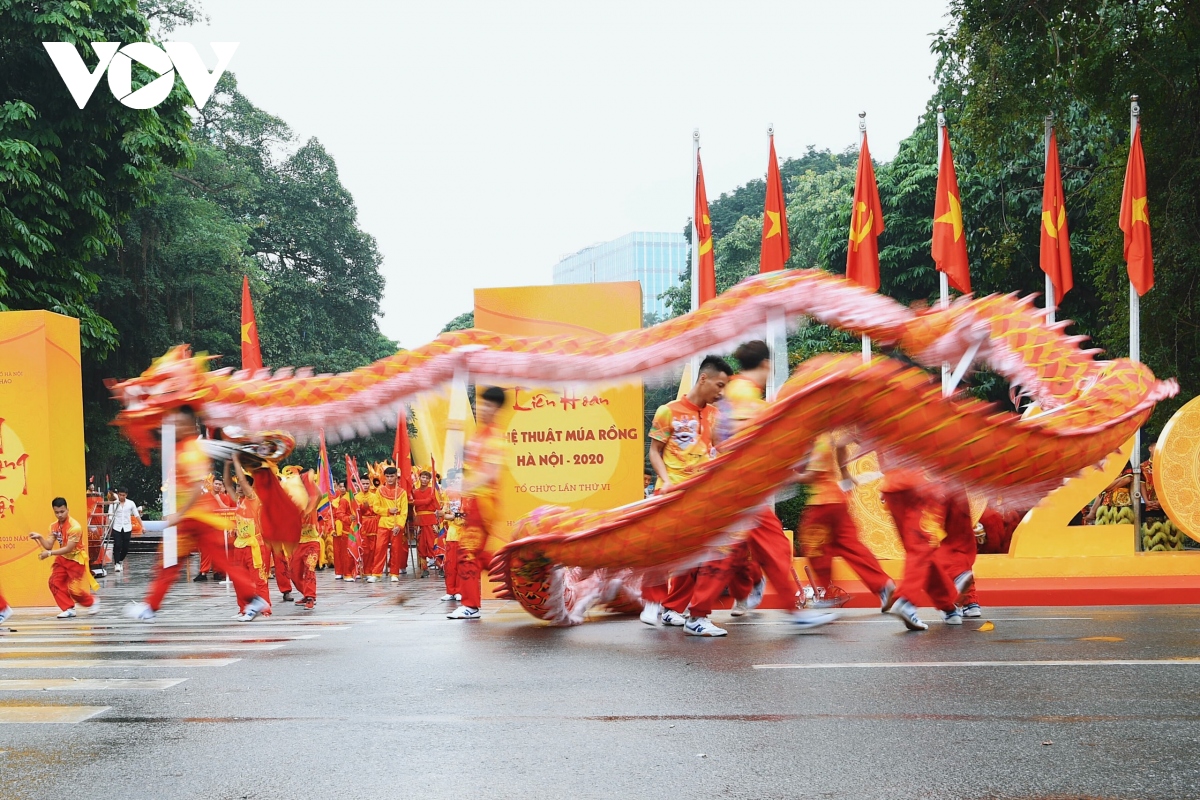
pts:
[124, 513]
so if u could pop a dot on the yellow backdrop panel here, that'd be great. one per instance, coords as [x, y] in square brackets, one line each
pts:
[41, 443]
[572, 446]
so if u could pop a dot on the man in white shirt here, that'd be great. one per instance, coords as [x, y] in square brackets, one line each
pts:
[122, 528]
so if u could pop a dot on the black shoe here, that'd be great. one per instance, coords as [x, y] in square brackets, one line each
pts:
[203, 576]
[287, 596]
[425, 573]
[219, 576]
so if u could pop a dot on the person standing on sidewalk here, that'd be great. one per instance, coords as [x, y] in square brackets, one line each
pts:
[124, 512]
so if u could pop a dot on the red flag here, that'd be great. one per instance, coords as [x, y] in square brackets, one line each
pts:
[251, 354]
[402, 451]
[1056, 242]
[775, 246]
[866, 223]
[707, 268]
[1138, 257]
[949, 239]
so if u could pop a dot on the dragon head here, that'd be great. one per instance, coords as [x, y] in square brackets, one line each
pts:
[175, 380]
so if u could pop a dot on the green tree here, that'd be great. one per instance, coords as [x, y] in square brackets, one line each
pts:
[464, 321]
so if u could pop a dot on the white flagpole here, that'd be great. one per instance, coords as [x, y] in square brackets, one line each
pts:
[943, 281]
[170, 551]
[695, 222]
[1050, 299]
[1135, 354]
[776, 334]
[862, 135]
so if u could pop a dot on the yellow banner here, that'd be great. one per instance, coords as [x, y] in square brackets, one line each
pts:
[570, 446]
[41, 443]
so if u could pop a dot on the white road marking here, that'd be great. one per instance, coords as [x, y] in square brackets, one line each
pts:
[18, 639]
[44, 714]
[114, 663]
[124, 648]
[85, 684]
[1099, 662]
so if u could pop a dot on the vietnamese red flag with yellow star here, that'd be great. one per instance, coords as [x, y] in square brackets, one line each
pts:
[1135, 219]
[866, 223]
[1056, 243]
[706, 265]
[775, 246]
[949, 238]
[251, 354]
[402, 451]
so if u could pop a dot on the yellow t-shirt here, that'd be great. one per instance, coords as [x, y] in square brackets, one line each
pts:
[743, 401]
[687, 432]
[825, 489]
[62, 532]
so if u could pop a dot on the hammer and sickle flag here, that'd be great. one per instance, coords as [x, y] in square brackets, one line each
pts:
[1056, 243]
[866, 223]
[775, 245]
[949, 239]
[1135, 219]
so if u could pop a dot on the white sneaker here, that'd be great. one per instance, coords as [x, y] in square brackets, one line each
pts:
[337, 577]
[907, 613]
[348, 580]
[652, 614]
[446, 598]
[254, 608]
[94, 608]
[971, 610]
[142, 612]
[70, 612]
[756, 594]
[702, 626]
[5, 613]
[953, 617]
[370, 579]
[119, 568]
[739, 608]
[99, 573]
[458, 597]
[808, 618]
[464, 612]
[395, 579]
[673, 619]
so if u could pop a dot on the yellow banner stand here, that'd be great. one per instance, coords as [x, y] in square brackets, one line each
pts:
[41, 443]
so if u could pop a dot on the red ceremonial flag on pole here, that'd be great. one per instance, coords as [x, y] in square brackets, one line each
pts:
[866, 223]
[402, 451]
[1056, 243]
[775, 246]
[1135, 219]
[706, 263]
[949, 240]
[251, 354]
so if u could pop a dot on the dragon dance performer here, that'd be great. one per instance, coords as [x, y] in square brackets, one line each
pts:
[369, 534]
[909, 496]
[307, 553]
[768, 545]
[962, 547]
[200, 526]
[826, 527]
[450, 558]
[225, 503]
[345, 568]
[427, 511]
[248, 545]
[5, 608]
[390, 502]
[483, 458]
[681, 442]
[70, 580]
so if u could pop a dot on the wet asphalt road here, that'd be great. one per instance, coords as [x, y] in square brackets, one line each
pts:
[387, 698]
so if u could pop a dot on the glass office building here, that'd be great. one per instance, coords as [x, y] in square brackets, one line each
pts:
[654, 260]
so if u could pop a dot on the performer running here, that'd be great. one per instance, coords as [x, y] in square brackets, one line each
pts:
[908, 495]
[483, 458]
[70, 581]
[248, 545]
[199, 524]
[681, 442]
[391, 505]
[427, 511]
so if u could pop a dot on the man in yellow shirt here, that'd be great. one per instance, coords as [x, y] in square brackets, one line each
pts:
[390, 502]
[70, 581]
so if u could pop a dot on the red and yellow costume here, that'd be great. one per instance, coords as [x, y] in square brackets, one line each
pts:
[201, 528]
[304, 558]
[450, 563]
[248, 548]
[826, 527]
[483, 457]
[343, 523]
[225, 503]
[958, 550]
[70, 581]
[909, 497]
[392, 529]
[427, 502]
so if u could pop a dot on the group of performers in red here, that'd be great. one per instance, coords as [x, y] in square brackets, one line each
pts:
[688, 432]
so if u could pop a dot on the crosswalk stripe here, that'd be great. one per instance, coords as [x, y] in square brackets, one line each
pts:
[52, 714]
[1099, 662]
[85, 684]
[113, 663]
[106, 638]
[122, 648]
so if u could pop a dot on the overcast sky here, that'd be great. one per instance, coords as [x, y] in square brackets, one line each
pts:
[482, 141]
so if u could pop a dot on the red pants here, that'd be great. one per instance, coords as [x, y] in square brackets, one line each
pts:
[745, 574]
[426, 545]
[194, 535]
[451, 565]
[827, 530]
[655, 592]
[282, 568]
[304, 568]
[3, 603]
[244, 558]
[959, 548]
[399, 559]
[379, 553]
[343, 564]
[923, 568]
[68, 584]
[468, 582]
